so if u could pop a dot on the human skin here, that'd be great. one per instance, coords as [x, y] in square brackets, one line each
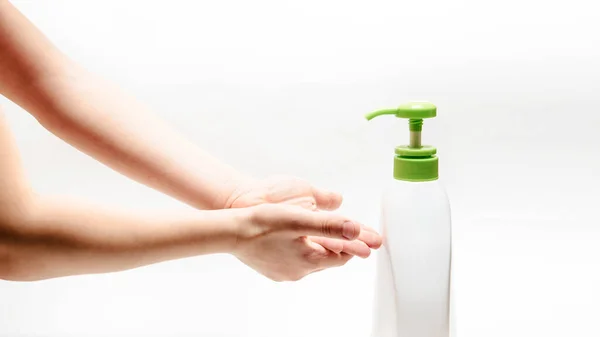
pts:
[112, 127]
[44, 236]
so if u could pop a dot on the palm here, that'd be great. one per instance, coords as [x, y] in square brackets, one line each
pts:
[286, 190]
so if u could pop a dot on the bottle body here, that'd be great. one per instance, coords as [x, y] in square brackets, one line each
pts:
[412, 296]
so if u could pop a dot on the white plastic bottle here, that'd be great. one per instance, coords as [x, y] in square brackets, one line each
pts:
[412, 298]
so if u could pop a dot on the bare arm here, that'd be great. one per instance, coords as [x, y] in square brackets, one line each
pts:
[103, 122]
[118, 131]
[62, 237]
[57, 238]
[44, 237]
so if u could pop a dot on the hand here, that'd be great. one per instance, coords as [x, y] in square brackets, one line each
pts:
[283, 189]
[272, 239]
[294, 191]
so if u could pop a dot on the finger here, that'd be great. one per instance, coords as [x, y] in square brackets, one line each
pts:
[334, 260]
[327, 200]
[306, 203]
[357, 248]
[370, 237]
[318, 257]
[326, 225]
[315, 247]
[336, 246]
[337, 261]
[367, 235]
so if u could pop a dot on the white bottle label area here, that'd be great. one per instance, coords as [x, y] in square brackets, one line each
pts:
[412, 298]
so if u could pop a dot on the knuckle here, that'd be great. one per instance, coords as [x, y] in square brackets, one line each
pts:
[263, 213]
[329, 227]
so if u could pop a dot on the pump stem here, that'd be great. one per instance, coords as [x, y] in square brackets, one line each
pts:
[415, 139]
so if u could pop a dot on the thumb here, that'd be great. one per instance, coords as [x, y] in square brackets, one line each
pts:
[327, 225]
[327, 200]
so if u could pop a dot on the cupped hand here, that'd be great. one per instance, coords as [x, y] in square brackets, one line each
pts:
[295, 191]
[272, 239]
[283, 189]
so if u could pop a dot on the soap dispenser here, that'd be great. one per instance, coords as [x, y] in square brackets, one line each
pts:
[412, 295]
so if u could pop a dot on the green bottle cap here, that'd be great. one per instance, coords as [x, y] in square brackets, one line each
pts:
[413, 162]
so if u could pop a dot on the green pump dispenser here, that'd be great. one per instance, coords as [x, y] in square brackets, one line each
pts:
[413, 162]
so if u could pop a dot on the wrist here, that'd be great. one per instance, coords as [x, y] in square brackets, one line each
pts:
[237, 228]
[234, 188]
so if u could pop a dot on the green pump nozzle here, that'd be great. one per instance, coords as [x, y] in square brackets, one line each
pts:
[414, 162]
[415, 112]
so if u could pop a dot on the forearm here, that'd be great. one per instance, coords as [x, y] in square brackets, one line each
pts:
[102, 121]
[123, 134]
[62, 238]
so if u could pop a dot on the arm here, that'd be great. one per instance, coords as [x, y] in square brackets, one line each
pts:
[118, 131]
[42, 237]
[102, 122]
[62, 238]
[65, 237]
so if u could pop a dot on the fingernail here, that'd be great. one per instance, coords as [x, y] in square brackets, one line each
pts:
[349, 230]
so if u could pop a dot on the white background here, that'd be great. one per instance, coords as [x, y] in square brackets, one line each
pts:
[281, 87]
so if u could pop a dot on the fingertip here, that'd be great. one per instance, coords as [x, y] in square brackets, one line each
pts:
[350, 230]
[336, 200]
[370, 237]
[327, 200]
[377, 243]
